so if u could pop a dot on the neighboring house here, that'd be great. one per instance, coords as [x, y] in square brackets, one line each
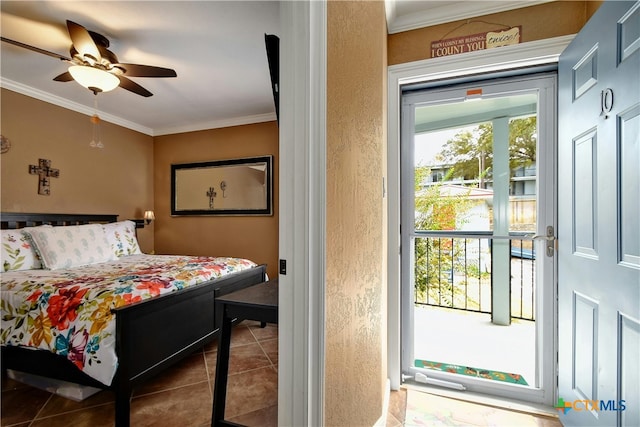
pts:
[523, 181]
[476, 215]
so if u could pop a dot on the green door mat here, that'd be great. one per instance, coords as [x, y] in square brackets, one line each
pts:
[471, 372]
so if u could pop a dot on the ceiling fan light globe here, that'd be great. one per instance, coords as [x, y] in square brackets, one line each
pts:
[94, 78]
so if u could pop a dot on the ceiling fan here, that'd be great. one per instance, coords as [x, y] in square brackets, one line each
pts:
[94, 66]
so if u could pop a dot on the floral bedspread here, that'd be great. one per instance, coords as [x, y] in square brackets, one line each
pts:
[68, 312]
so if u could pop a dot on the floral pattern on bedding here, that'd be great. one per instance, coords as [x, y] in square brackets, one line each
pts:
[68, 311]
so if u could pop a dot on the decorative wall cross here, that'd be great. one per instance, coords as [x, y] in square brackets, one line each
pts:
[44, 172]
[211, 194]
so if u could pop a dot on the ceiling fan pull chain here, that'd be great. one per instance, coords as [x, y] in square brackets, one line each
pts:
[95, 125]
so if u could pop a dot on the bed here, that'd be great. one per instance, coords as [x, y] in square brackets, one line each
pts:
[144, 328]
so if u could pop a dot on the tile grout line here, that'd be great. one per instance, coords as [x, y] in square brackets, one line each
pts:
[267, 356]
[273, 365]
[164, 390]
[206, 370]
[257, 341]
[38, 418]
[41, 408]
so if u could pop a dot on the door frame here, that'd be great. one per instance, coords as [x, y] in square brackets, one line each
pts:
[544, 85]
[302, 204]
[507, 58]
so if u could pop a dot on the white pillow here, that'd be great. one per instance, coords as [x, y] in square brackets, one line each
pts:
[17, 251]
[122, 238]
[71, 246]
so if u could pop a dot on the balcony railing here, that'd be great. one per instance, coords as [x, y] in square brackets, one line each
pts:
[453, 269]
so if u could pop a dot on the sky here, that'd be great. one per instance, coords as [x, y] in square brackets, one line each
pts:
[428, 145]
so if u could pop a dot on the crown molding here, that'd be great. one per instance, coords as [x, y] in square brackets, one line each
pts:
[83, 109]
[69, 105]
[215, 124]
[527, 54]
[448, 12]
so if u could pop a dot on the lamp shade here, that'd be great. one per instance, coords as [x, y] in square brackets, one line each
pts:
[149, 215]
[94, 78]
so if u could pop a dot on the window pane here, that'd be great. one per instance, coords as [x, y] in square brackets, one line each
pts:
[454, 171]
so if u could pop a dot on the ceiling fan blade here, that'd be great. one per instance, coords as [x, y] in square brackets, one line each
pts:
[134, 87]
[82, 40]
[35, 49]
[135, 70]
[64, 77]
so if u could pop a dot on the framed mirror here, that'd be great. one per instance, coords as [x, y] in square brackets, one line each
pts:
[223, 187]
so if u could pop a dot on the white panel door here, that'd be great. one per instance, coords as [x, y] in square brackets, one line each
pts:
[599, 221]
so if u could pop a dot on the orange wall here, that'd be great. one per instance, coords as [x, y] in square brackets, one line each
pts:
[543, 21]
[130, 175]
[253, 237]
[355, 364]
[117, 179]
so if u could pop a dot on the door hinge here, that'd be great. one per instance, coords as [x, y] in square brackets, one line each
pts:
[283, 266]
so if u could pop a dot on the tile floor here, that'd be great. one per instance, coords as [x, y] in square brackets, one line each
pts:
[180, 396]
[410, 407]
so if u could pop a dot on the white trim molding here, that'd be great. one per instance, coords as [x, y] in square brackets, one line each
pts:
[302, 214]
[482, 61]
[528, 54]
[83, 109]
[382, 421]
[215, 124]
[70, 105]
[442, 12]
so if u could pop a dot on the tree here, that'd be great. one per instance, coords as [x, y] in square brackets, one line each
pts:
[434, 211]
[468, 149]
[523, 136]
[471, 151]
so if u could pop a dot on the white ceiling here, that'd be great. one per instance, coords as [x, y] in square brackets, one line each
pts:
[456, 113]
[217, 49]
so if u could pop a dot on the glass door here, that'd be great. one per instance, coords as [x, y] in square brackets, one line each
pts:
[477, 191]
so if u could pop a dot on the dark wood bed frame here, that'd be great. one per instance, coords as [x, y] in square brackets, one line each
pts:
[150, 336]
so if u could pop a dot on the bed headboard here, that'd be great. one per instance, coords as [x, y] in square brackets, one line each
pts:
[14, 220]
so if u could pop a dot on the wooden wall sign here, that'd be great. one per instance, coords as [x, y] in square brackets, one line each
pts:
[480, 41]
[44, 172]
